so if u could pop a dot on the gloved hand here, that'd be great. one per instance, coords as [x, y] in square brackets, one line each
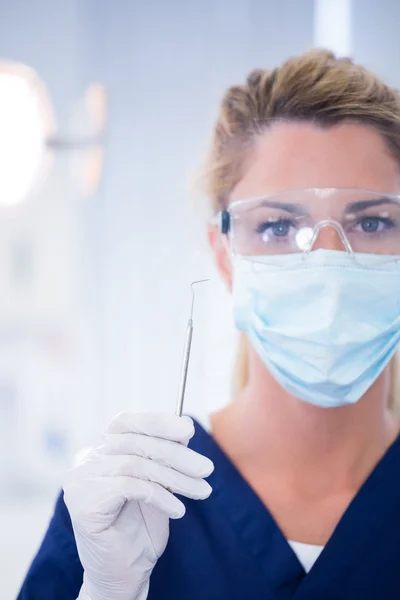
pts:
[120, 499]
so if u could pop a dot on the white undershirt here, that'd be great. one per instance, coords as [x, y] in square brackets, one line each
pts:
[306, 553]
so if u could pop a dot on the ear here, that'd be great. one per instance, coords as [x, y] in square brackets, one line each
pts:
[220, 248]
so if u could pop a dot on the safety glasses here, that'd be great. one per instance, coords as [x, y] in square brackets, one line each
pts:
[359, 222]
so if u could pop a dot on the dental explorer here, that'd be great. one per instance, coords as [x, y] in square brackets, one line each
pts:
[186, 353]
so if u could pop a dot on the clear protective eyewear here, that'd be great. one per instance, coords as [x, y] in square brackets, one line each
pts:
[363, 221]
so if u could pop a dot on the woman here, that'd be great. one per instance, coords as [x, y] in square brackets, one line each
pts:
[304, 181]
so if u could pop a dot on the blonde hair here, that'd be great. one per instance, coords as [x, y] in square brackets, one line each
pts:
[315, 86]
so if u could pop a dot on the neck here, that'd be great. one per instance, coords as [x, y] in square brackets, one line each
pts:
[327, 449]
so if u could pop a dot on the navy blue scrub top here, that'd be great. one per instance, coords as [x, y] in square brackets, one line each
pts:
[229, 547]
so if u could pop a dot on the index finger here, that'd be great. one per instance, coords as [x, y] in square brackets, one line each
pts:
[163, 426]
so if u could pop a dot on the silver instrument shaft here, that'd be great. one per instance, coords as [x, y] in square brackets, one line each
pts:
[186, 354]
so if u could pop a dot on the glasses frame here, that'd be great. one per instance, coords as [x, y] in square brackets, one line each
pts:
[225, 217]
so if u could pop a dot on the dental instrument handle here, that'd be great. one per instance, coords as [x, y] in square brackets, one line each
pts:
[185, 367]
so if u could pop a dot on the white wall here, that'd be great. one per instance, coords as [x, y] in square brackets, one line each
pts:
[375, 37]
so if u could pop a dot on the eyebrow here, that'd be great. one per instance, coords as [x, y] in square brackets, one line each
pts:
[363, 204]
[353, 207]
[296, 209]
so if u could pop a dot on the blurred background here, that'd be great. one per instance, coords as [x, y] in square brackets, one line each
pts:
[106, 109]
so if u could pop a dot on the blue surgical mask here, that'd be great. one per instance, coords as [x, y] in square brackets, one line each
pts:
[325, 325]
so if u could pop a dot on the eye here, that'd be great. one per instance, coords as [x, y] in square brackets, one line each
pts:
[374, 224]
[279, 228]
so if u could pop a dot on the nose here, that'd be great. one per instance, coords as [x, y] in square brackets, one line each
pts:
[328, 237]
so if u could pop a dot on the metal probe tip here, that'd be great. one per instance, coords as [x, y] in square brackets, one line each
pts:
[186, 352]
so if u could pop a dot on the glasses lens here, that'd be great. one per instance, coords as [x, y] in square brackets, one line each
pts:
[289, 221]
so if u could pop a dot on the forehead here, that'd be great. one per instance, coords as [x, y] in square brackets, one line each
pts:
[291, 156]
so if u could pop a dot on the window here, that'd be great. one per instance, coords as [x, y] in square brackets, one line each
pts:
[26, 120]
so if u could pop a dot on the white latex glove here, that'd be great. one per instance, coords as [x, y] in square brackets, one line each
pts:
[120, 499]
